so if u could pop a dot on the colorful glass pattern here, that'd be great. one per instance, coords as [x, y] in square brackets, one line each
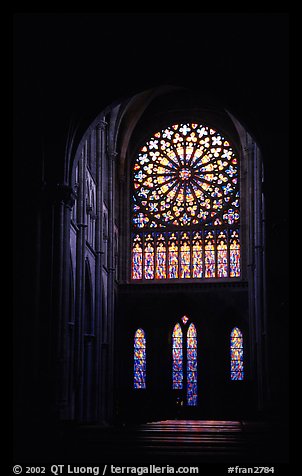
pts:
[184, 319]
[185, 199]
[149, 257]
[185, 256]
[185, 174]
[222, 255]
[210, 264]
[197, 253]
[192, 366]
[172, 256]
[140, 359]
[137, 258]
[177, 356]
[234, 254]
[236, 348]
[161, 256]
[180, 255]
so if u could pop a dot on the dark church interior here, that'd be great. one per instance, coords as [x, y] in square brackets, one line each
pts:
[90, 89]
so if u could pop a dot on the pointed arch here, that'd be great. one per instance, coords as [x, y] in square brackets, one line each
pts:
[177, 355]
[184, 350]
[192, 365]
[139, 359]
[236, 351]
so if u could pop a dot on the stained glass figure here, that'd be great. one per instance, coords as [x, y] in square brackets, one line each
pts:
[140, 359]
[236, 349]
[197, 265]
[161, 256]
[185, 256]
[192, 366]
[222, 255]
[172, 256]
[137, 258]
[186, 190]
[234, 254]
[149, 257]
[210, 262]
[177, 356]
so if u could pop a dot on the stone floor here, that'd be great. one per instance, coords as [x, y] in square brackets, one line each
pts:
[169, 442]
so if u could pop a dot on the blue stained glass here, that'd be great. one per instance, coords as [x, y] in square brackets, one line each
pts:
[177, 374]
[139, 359]
[236, 351]
[192, 366]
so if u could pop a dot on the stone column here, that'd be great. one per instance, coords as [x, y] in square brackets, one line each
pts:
[80, 286]
[111, 288]
[56, 204]
[251, 255]
[66, 201]
[256, 272]
[100, 156]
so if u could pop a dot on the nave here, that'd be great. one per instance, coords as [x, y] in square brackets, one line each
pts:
[170, 442]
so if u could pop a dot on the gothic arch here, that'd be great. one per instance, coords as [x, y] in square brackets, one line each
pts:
[100, 176]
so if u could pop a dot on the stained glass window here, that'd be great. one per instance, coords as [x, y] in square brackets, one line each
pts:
[137, 257]
[185, 203]
[184, 319]
[139, 359]
[234, 254]
[185, 349]
[210, 263]
[172, 256]
[236, 347]
[177, 355]
[149, 257]
[222, 255]
[192, 366]
[197, 255]
[161, 256]
[185, 256]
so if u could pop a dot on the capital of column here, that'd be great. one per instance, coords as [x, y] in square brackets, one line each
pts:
[113, 155]
[249, 147]
[102, 125]
[66, 194]
[59, 193]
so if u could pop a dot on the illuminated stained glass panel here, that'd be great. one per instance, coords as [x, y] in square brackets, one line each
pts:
[185, 174]
[184, 319]
[140, 359]
[210, 262]
[185, 256]
[222, 255]
[173, 256]
[149, 257]
[192, 366]
[137, 258]
[185, 199]
[236, 349]
[161, 257]
[234, 254]
[197, 255]
[177, 357]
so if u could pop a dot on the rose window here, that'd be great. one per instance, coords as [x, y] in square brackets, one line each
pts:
[185, 195]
